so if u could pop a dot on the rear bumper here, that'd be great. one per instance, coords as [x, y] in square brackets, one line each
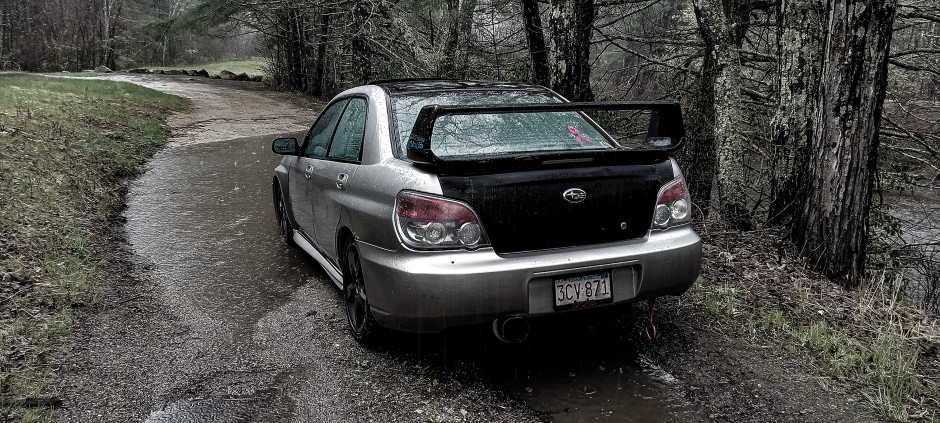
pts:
[424, 291]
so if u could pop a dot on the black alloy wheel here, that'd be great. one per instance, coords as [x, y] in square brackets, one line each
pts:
[283, 223]
[361, 323]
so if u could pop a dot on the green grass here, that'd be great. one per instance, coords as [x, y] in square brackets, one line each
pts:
[253, 66]
[64, 146]
[882, 362]
[889, 364]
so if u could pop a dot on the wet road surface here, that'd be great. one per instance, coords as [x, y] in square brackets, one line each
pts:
[225, 323]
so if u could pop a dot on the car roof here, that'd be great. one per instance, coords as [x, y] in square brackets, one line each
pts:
[409, 86]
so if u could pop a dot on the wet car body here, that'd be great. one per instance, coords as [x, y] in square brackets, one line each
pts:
[426, 224]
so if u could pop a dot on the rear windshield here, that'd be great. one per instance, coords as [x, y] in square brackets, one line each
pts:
[497, 133]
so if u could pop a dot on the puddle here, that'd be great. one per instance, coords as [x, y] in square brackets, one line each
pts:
[205, 220]
[585, 390]
[578, 370]
[629, 393]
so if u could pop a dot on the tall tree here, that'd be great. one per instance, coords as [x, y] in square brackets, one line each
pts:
[535, 38]
[799, 46]
[833, 223]
[721, 25]
[571, 25]
[698, 156]
[458, 16]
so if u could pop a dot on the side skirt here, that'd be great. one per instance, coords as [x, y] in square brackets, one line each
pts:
[335, 275]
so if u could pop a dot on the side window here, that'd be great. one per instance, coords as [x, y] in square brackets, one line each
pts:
[347, 143]
[318, 139]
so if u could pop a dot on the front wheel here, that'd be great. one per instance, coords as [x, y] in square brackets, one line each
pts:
[285, 229]
[361, 323]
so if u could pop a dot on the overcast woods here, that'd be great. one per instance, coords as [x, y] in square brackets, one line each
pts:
[798, 112]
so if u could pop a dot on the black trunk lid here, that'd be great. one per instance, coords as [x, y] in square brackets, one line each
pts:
[527, 210]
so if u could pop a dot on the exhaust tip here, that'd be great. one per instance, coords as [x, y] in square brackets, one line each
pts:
[511, 329]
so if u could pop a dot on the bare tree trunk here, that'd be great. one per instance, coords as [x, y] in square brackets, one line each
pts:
[113, 9]
[833, 224]
[4, 33]
[799, 43]
[361, 52]
[572, 25]
[319, 82]
[535, 37]
[460, 22]
[721, 29]
[295, 32]
[698, 157]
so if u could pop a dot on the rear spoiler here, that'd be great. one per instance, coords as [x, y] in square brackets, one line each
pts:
[665, 123]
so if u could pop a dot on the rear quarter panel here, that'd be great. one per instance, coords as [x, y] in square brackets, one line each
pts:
[369, 209]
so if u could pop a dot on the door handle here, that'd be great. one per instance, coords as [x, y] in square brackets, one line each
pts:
[309, 172]
[341, 181]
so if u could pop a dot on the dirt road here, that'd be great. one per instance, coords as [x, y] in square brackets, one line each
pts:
[208, 317]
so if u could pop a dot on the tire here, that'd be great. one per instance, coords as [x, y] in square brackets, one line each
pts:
[361, 323]
[284, 227]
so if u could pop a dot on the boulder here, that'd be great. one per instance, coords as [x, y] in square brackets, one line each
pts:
[172, 72]
[228, 75]
[203, 73]
[215, 77]
[243, 77]
[139, 70]
[103, 69]
[257, 78]
[159, 72]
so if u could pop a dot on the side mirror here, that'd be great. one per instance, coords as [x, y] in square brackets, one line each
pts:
[285, 146]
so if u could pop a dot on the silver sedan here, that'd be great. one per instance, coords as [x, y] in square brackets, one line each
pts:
[434, 204]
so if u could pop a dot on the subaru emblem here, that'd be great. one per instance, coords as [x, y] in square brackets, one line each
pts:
[574, 195]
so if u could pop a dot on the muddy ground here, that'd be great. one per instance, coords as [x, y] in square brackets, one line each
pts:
[158, 348]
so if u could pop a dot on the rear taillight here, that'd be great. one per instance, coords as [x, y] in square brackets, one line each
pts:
[673, 206]
[428, 222]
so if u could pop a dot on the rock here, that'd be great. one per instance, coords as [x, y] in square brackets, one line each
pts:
[257, 78]
[103, 69]
[159, 72]
[139, 70]
[193, 72]
[228, 75]
[243, 77]
[172, 72]
[7, 277]
[215, 77]
[203, 73]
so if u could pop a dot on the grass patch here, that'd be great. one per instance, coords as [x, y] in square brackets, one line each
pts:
[253, 66]
[870, 339]
[64, 146]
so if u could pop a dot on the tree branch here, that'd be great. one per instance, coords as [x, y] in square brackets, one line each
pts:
[913, 67]
[915, 51]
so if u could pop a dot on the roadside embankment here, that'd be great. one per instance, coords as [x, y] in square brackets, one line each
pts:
[65, 145]
[871, 346]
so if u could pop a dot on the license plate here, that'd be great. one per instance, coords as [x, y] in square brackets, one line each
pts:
[575, 291]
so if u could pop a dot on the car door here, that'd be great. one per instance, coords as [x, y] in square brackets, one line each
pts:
[313, 152]
[339, 168]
